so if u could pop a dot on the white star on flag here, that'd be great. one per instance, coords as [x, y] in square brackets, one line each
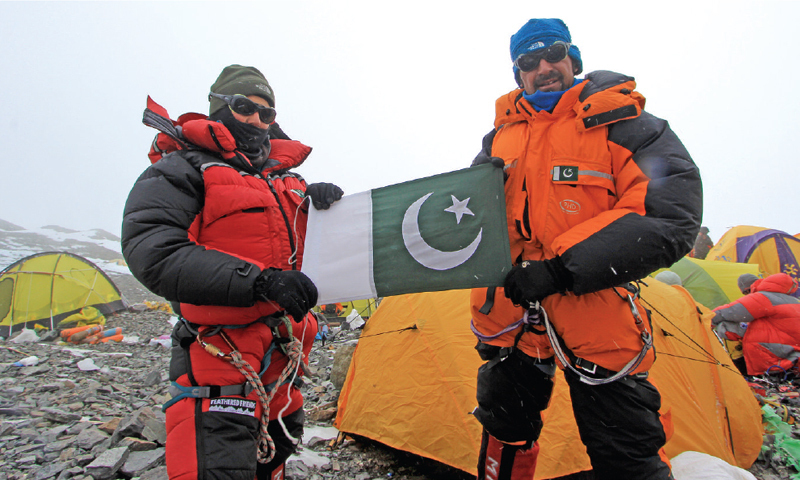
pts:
[459, 207]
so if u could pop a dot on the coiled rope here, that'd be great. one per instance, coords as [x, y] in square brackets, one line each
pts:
[293, 350]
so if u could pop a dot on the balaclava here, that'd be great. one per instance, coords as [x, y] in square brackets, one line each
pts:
[237, 79]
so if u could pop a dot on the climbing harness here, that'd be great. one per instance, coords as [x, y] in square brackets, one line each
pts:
[578, 364]
[291, 347]
[535, 316]
[528, 321]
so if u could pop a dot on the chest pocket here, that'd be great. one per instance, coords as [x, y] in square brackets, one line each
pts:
[581, 187]
[290, 191]
[230, 194]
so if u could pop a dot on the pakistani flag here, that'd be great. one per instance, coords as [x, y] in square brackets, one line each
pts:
[437, 233]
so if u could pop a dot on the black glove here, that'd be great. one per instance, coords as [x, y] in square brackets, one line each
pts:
[323, 194]
[482, 158]
[529, 282]
[498, 162]
[292, 290]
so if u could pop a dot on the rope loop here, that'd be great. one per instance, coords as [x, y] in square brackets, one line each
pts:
[293, 350]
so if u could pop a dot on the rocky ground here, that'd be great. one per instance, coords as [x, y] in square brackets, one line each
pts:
[94, 412]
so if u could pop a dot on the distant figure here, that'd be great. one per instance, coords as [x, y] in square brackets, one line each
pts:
[333, 309]
[766, 320]
[669, 277]
[731, 333]
[702, 244]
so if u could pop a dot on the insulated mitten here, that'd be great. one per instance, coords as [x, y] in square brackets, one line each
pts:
[292, 290]
[323, 194]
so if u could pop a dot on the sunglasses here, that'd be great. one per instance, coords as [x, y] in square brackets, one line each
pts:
[552, 54]
[244, 106]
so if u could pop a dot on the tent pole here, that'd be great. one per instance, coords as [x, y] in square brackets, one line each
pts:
[52, 287]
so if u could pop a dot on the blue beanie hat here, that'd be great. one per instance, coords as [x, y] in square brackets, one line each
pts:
[541, 33]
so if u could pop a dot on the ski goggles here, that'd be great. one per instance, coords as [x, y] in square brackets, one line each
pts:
[244, 106]
[553, 54]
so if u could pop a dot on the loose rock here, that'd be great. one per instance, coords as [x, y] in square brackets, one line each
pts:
[58, 421]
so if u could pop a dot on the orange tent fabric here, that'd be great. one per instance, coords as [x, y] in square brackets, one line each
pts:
[411, 385]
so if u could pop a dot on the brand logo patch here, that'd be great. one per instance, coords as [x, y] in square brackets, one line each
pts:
[239, 406]
[570, 206]
[536, 45]
[264, 88]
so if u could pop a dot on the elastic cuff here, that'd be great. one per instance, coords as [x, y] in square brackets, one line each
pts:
[261, 283]
[560, 274]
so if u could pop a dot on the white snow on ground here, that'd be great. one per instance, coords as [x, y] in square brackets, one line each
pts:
[11, 253]
[61, 239]
[310, 457]
[326, 433]
[111, 267]
[96, 236]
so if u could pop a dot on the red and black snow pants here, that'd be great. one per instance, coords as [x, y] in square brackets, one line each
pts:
[618, 422]
[216, 437]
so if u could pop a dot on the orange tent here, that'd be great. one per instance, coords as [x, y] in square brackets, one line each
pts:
[411, 385]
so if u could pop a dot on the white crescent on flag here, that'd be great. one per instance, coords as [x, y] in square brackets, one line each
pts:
[423, 253]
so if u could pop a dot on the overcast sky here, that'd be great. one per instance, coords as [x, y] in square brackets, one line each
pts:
[383, 91]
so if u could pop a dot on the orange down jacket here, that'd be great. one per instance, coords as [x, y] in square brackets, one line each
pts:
[607, 187]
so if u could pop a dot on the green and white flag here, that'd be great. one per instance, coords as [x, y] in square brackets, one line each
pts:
[443, 232]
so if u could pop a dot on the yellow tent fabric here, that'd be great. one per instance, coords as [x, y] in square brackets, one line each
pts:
[86, 316]
[46, 288]
[365, 308]
[774, 251]
[711, 283]
[412, 380]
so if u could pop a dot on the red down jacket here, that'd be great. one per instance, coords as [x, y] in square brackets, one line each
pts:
[772, 319]
[199, 226]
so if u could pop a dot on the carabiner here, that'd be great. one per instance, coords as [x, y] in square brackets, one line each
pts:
[213, 349]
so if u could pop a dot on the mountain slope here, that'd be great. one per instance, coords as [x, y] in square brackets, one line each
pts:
[98, 246]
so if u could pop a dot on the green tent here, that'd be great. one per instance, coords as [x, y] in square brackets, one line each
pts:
[711, 283]
[47, 287]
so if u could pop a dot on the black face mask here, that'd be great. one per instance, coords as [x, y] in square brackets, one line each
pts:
[249, 138]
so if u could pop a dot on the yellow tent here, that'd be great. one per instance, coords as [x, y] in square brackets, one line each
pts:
[711, 283]
[365, 308]
[774, 251]
[48, 287]
[411, 385]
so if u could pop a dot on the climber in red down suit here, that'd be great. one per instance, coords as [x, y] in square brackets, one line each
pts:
[767, 320]
[216, 225]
